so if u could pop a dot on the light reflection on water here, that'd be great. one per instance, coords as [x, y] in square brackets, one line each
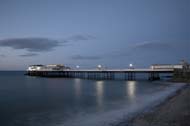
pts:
[63, 98]
[77, 87]
[131, 89]
[100, 92]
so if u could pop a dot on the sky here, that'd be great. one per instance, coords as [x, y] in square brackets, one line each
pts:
[113, 33]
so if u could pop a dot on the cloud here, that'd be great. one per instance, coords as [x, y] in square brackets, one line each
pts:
[75, 38]
[175, 47]
[79, 57]
[2, 55]
[152, 45]
[41, 44]
[154, 49]
[31, 44]
[29, 55]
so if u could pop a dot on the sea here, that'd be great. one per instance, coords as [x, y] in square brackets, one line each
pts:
[39, 101]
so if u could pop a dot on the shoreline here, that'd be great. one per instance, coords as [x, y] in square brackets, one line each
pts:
[174, 110]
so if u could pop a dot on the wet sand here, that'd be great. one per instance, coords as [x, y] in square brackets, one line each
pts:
[175, 111]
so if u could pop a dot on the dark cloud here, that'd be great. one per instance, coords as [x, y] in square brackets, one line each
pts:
[29, 55]
[2, 55]
[30, 44]
[152, 45]
[79, 38]
[156, 50]
[79, 57]
[160, 52]
[170, 46]
[41, 44]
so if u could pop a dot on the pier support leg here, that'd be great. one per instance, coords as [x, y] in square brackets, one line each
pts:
[153, 76]
[131, 76]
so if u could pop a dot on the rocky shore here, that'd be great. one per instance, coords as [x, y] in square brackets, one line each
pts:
[175, 111]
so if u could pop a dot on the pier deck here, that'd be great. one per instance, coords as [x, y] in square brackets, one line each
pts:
[128, 74]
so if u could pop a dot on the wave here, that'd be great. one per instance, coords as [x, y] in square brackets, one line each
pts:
[123, 112]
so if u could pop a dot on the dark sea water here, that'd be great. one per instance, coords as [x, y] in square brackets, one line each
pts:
[35, 101]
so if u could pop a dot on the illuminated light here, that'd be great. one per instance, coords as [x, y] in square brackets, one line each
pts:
[130, 65]
[38, 68]
[99, 66]
[77, 66]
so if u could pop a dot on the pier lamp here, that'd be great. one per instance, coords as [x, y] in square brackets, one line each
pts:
[99, 66]
[77, 66]
[130, 65]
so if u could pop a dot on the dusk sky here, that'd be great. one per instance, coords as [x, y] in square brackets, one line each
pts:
[113, 33]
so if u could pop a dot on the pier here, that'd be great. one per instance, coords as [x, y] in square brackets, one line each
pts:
[108, 74]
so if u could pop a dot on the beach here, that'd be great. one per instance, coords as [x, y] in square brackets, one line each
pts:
[175, 111]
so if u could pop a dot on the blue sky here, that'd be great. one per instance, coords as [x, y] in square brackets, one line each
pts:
[113, 33]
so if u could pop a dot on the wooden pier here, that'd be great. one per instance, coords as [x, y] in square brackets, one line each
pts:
[109, 74]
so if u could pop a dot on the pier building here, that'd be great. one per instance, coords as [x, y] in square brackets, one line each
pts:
[59, 70]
